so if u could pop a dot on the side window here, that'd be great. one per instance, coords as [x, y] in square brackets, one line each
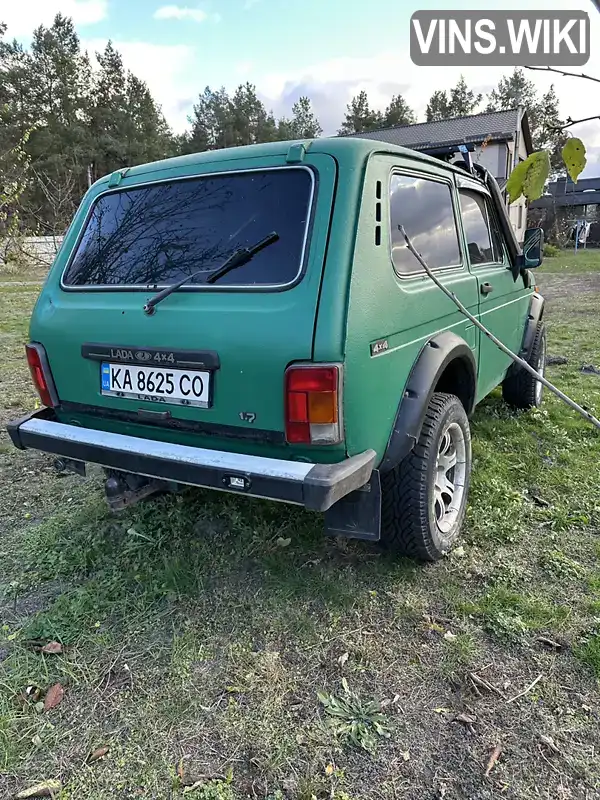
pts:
[484, 242]
[424, 208]
[496, 235]
[477, 230]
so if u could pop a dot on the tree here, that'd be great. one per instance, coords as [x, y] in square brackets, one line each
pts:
[529, 177]
[360, 116]
[304, 124]
[463, 101]
[438, 107]
[212, 122]
[398, 113]
[459, 102]
[512, 91]
[80, 120]
[548, 133]
[542, 113]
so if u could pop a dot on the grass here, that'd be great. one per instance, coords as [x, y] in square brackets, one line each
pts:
[571, 262]
[197, 641]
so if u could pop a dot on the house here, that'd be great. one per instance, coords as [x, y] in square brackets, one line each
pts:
[498, 140]
[566, 206]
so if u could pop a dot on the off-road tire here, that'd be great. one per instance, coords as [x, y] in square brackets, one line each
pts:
[408, 522]
[519, 388]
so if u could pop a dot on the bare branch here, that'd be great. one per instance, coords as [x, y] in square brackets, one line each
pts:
[571, 122]
[566, 74]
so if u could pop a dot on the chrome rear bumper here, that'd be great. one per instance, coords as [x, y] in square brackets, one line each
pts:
[315, 486]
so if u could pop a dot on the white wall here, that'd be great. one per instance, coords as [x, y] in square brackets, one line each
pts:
[40, 249]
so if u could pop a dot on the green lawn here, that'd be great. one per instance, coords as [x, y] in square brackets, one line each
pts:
[573, 262]
[198, 630]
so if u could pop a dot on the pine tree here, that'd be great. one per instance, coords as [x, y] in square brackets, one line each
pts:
[438, 107]
[304, 124]
[360, 116]
[398, 113]
[212, 123]
[542, 113]
[549, 133]
[60, 144]
[463, 101]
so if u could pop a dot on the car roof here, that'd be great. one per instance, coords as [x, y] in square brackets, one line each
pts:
[341, 148]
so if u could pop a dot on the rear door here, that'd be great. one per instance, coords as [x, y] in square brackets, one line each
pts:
[503, 302]
[211, 359]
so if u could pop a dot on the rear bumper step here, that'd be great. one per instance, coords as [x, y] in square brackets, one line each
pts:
[315, 486]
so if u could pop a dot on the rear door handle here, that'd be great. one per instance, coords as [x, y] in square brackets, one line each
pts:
[486, 288]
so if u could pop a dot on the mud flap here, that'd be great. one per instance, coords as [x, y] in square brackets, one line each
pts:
[358, 515]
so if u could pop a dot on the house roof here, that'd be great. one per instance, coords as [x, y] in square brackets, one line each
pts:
[493, 125]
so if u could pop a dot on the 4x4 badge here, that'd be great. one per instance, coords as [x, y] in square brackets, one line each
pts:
[379, 347]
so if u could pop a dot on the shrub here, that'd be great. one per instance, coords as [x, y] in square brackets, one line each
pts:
[551, 250]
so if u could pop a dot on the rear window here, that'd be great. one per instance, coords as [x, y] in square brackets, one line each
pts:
[157, 234]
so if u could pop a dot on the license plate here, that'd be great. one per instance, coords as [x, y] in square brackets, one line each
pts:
[180, 387]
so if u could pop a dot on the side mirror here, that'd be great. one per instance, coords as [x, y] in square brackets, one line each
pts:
[533, 248]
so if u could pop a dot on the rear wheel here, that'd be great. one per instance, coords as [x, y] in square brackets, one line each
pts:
[424, 498]
[520, 389]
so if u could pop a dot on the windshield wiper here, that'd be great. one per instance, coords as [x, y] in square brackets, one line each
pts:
[237, 259]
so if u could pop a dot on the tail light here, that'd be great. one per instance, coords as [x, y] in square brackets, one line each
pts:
[312, 404]
[40, 372]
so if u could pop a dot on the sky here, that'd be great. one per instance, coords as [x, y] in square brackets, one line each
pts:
[326, 49]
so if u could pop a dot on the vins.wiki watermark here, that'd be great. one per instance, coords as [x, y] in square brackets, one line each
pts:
[500, 38]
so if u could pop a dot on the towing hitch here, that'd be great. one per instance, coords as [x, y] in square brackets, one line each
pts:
[124, 489]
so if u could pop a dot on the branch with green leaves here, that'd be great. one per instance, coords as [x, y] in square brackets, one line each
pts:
[529, 177]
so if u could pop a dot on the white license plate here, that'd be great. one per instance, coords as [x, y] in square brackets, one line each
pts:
[181, 387]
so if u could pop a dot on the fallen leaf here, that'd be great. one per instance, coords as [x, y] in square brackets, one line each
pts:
[329, 769]
[54, 696]
[52, 649]
[283, 542]
[493, 759]
[36, 741]
[466, 719]
[549, 742]
[550, 643]
[459, 552]
[39, 706]
[343, 659]
[449, 636]
[96, 755]
[45, 789]
[406, 756]
[442, 710]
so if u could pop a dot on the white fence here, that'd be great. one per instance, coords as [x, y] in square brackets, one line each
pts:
[39, 249]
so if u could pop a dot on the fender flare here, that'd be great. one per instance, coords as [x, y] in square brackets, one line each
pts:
[535, 315]
[433, 359]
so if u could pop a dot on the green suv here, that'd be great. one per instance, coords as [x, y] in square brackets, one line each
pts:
[251, 320]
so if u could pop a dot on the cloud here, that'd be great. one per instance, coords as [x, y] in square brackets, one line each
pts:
[332, 83]
[24, 16]
[181, 12]
[169, 70]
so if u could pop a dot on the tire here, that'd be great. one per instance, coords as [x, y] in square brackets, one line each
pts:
[417, 521]
[519, 388]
